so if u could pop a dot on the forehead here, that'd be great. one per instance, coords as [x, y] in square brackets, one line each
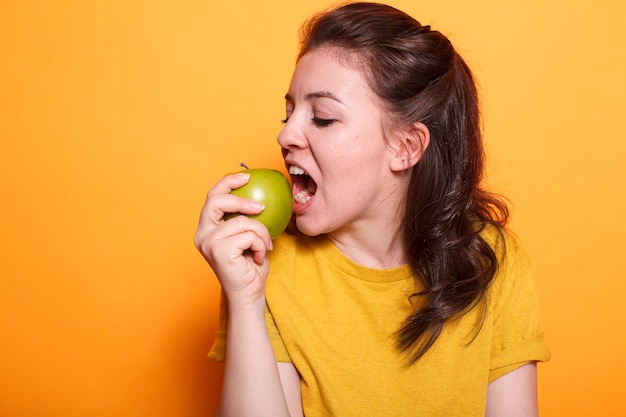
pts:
[330, 69]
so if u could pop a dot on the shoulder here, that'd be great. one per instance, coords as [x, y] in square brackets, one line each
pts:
[509, 250]
[514, 278]
[513, 309]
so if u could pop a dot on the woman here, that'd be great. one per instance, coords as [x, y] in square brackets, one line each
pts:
[401, 292]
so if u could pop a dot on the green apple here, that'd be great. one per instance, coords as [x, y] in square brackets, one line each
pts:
[271, 188]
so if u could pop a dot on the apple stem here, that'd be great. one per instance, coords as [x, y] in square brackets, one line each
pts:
[243, 164]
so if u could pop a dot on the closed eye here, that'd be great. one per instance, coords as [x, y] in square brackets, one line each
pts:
[323, 122]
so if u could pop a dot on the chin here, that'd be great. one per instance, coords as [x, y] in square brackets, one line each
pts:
[309, 228]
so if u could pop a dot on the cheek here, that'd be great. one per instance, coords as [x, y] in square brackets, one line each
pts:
[360, 157]
[346, 181]
[350, 161]
[341, 169]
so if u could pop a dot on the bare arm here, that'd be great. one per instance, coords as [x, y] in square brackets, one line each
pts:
[514, 394]
[290, 379]
[236, 250]
[252, 384]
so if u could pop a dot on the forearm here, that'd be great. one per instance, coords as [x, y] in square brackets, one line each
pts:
[252, 384]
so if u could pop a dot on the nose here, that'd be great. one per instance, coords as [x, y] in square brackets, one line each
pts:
[291, 136]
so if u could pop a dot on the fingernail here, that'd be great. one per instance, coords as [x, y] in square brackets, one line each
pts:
[243, 176]
[256, 205]
[271, 245]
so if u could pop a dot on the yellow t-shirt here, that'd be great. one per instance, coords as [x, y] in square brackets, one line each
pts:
[336, 321]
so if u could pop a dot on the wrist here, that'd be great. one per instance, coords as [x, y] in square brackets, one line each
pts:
[246, 304]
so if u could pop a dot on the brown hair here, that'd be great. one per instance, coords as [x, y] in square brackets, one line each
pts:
[421, 78]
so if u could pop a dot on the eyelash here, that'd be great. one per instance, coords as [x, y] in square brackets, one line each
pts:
[319, 122]
[323, 122]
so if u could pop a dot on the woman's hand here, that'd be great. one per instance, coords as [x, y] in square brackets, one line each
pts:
[235, 249]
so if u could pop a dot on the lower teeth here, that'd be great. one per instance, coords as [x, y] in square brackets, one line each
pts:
[302, 197]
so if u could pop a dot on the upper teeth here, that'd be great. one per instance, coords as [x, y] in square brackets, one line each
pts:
[296, 170]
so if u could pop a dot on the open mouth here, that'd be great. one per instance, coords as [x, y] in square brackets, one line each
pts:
[303, 185]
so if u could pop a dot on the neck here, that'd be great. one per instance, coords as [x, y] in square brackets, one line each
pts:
[373, 250]
[377, 240]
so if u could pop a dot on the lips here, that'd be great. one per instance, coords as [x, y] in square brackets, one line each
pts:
[303, 185]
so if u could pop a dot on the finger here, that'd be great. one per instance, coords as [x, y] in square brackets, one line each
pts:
[206, 235]
[259, 249]
[247, 245]
[230, 228]
[219, 204]
[219, 200]
[211, 213]
[230, 182]
[242, 224]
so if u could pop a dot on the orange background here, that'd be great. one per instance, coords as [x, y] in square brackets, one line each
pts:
[116, 117]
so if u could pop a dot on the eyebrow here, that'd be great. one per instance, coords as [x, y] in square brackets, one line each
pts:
[317, 94]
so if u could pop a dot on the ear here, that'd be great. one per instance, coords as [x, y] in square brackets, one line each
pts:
[410, 145]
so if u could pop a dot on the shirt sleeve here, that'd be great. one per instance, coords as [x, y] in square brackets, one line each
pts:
[518, 337]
